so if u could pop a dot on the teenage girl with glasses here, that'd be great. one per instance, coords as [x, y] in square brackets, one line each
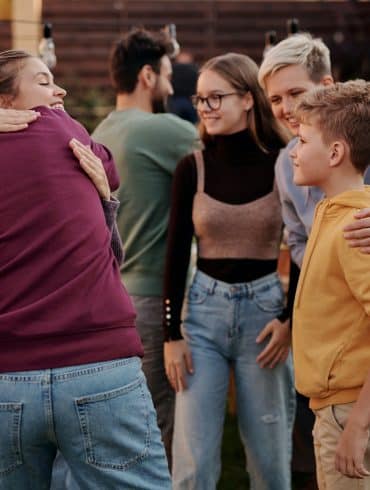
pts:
[234, 316]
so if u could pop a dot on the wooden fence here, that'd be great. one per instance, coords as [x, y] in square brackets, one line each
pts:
[84, 30]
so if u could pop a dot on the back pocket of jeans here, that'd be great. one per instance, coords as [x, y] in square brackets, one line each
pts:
[115, 426]
[10, 437]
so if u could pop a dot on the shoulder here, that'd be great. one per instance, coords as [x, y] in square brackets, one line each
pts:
[186, 166]
[60, 121]
[170, 123]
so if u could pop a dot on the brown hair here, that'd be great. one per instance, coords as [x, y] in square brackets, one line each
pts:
[241, 72]
[341, 111]
[11, 62]
[138, 48]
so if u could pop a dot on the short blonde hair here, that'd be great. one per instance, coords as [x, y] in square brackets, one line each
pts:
[341, 111]
[300, 49]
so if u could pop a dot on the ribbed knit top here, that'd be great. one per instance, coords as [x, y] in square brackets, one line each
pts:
[224, 230]
[235, 202]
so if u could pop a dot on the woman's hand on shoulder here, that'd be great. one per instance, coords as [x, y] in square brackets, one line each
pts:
[12, 120]
[178, 363]
[277, 348]
[92, 166]
[357, 233]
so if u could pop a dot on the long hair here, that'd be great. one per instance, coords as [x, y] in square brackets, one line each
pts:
[241, 72]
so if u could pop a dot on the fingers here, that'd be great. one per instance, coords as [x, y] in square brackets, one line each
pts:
[189, 363]
[14, 120]
[362, 213]
[93, 167]
[178, 362]
[272, 355]
[352, 229]
[350, 467]
[172, 376]
[176, 376]
[264, 333]
[277, 348]
[360, 242]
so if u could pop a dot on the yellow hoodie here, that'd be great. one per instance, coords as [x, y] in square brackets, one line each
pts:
[331, 320]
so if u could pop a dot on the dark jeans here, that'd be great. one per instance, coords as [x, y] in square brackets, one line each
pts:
[149, 325]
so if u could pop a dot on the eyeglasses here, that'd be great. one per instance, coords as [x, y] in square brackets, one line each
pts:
[213, 101]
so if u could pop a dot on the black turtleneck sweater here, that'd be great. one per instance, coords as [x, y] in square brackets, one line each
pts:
[237, 171]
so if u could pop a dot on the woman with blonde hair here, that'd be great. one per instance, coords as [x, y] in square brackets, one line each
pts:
[234, 310]
[70, 369]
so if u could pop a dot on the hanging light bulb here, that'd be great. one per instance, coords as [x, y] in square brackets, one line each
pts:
[47, 47]
[270, 41]
[292, 26]
[174, 50]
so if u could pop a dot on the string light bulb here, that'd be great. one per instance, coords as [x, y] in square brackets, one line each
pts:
[47, 47]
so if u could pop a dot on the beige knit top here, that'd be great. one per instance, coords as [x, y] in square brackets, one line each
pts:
[251, 230]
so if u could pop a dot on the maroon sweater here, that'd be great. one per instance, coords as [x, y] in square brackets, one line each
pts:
[62, 302]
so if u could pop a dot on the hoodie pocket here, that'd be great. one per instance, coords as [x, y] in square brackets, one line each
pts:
[334, 368]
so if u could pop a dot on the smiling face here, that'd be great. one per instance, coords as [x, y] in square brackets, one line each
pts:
[231, 116]
[36, 87]
[283, 89]
[311, 157]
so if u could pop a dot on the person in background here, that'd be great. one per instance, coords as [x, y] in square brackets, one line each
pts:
[294, 66]
[234, 310]
[331, 338]
[184, 81]
[70, 353]
[146, 145]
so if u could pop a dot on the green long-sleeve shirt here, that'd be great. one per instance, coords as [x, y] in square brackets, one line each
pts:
[146, 148]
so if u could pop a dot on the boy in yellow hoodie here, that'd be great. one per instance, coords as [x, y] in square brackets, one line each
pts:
[331, 335]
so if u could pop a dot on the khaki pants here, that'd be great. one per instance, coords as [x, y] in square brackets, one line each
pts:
[328, 427]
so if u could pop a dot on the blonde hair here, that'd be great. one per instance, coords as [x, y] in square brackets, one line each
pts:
[11, 62]
[341, 111]
[241, 72]
[300, 49]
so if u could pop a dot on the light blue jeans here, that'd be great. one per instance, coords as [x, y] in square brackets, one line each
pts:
[101, 418]
[221, 324]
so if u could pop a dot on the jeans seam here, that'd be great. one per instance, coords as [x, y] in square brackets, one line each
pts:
[16, 410]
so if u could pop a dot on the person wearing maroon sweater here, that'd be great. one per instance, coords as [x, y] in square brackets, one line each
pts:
[234, 314]
[70, 373]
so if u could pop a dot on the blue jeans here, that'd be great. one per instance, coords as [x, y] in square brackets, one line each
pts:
[221, 324]
[101, 418]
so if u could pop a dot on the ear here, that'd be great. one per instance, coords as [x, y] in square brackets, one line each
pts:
[248, 101]
[337, 152]
[327, 80]
[147, 77]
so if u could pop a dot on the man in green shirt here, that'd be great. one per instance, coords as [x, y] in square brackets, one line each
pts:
[147, 145]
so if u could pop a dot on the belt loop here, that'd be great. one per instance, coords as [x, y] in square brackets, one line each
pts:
[212, 287]
[249, 290]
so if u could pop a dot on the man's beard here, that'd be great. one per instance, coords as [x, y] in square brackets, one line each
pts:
[159, 105]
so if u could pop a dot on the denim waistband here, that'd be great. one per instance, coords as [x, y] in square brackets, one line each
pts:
[68, 372]
[214, 286]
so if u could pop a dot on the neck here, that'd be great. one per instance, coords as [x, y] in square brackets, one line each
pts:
[135, 100]
[341, 183]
